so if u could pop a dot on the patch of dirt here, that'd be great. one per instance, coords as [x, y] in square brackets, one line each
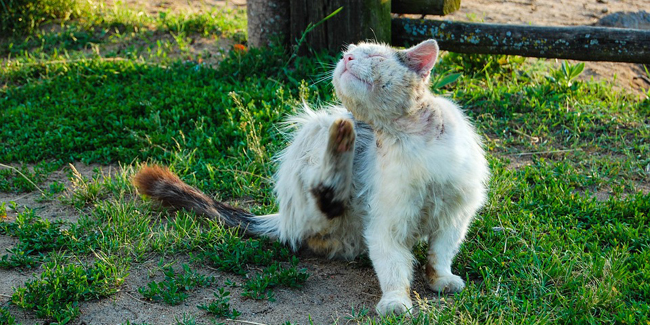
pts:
[628, 76]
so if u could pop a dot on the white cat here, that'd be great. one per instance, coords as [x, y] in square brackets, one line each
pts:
[392, 166]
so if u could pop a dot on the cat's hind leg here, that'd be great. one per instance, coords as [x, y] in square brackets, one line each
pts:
[313, 185]
[331, 188]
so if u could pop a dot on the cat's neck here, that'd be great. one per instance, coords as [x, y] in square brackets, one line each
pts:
[422, 120]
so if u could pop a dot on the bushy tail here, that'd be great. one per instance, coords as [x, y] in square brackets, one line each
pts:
[160, 184]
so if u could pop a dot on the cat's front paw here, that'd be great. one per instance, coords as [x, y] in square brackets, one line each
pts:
[396, 303]
[448, 284]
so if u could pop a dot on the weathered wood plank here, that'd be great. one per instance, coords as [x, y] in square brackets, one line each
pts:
[358, 21]
[425, 7]
[578, 43]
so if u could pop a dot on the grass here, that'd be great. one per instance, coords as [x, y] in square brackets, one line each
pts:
[56, 293]
[563, 238]
[173, 289]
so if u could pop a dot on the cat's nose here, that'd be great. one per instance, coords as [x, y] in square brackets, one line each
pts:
[347, 58]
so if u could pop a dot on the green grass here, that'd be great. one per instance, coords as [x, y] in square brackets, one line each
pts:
[563, 238]
[173, 289]
[220, 306]
[56, 293]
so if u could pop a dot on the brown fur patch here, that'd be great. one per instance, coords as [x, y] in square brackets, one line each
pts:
[429, 270]
[326, 202]
[431, 273]
[323, 244]
[148, 177]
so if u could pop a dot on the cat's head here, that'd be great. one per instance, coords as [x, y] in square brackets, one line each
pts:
[375, 81]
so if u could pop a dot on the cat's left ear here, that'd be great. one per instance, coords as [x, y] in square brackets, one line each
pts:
[422, 57]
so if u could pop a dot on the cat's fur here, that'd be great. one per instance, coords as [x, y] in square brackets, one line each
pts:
[392, 166]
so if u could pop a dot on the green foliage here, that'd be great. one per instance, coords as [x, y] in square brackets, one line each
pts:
[358, 313]
[260, 285]
[56, 293]
[25, 16]
[37, 237]
[442, 80]
[187, 320]
[233, 254]
[565, 75]
[220, 306]
[20, 180]
[173, 289]
[5, 317]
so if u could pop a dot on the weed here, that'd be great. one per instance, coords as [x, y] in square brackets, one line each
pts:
[173, 289]
[23, 180]
[5, 317]
[442, 80]
[37, 237]
[186, 320]
[3, 215]
[83, 191]
[233, 254]
[25, 16]
[220, 307]
[358, 313]
[565, 75]
[58, 290]
[260, 285]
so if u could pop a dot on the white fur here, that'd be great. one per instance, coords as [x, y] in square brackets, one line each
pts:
[418, 172]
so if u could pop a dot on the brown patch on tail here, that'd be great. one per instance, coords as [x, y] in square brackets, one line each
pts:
[162, 185]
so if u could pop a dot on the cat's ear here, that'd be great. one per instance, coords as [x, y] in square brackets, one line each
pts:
[422, 57]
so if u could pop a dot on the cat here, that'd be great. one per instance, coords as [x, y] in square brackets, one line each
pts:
[391, 166]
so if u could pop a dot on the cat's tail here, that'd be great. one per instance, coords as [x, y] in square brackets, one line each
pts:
[160, 184]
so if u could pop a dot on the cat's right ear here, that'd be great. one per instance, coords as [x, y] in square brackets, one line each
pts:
[422, 57]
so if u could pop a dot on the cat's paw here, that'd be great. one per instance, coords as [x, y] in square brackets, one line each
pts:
[448, 283]
[396, 303]
[342, 135]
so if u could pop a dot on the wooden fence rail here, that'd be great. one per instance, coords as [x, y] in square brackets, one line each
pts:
[579, 43]
[371, 19]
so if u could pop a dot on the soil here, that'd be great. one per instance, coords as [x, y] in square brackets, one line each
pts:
[334, 287]
[628, 76]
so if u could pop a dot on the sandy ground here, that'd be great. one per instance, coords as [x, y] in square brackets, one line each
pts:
[335, 287]
[564, 13]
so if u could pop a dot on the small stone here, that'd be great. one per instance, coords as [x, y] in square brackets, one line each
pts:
[605, 10]
[636, 20]
[603, 1]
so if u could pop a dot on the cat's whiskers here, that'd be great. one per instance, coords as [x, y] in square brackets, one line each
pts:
[325, 76]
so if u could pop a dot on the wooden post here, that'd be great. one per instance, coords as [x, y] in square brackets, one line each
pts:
[268, 21]
[578, 43]
[358, 21]
[425, 7]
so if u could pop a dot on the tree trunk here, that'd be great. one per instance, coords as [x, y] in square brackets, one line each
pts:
[268, 22]
[577, 43]
[359, 20]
